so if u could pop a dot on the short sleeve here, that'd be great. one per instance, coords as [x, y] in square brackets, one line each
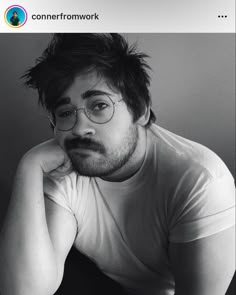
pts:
[58, 191]
[208, 208]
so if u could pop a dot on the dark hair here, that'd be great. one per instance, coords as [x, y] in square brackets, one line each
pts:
[71, 54]
[14, 12]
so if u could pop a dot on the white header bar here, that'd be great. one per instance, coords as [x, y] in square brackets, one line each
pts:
[150, 16]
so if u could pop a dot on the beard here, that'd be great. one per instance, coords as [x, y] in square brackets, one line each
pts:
[97, 160]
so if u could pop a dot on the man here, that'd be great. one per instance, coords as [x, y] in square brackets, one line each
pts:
[155, 211]
[14, 20]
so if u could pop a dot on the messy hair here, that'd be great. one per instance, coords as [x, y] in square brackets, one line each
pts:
[109, 55]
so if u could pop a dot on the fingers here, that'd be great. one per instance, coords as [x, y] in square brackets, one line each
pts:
[63, 170]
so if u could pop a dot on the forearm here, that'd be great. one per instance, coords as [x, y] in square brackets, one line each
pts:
[28, 263]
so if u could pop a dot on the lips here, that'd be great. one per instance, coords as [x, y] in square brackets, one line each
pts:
[82, 150]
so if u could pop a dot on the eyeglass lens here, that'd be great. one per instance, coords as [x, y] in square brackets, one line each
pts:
[98, 109]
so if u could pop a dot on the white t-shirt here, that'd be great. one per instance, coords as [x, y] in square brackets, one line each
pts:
[182, 192]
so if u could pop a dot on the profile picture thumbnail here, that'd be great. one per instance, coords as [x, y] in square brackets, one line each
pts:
[15, 16]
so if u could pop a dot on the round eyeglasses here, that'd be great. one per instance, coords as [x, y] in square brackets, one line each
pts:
[98, 109]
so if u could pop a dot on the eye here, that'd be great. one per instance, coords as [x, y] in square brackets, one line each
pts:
[100, 106]
[64, 113]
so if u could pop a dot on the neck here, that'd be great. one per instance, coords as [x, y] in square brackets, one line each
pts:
[135, 162]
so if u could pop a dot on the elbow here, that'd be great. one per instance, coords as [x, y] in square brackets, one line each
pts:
[22, 282]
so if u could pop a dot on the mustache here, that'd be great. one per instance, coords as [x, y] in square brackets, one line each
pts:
[84, 143]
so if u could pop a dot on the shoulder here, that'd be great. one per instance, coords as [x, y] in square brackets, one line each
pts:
[179, 155]
[194, 182]
[196, 187]
[68, 190]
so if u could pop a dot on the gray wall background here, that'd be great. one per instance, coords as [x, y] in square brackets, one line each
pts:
[193, 92]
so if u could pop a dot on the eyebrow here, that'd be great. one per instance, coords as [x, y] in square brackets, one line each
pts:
[85, 95]
[93, 92]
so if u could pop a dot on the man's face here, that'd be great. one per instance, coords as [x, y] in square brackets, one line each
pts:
[14, 14]
[97, 149]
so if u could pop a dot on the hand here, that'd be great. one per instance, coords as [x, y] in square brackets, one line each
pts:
[50, 157]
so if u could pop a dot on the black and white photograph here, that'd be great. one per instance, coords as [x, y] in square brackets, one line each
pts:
[118, 164]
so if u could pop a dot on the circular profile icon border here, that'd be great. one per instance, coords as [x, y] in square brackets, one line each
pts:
[18, 8]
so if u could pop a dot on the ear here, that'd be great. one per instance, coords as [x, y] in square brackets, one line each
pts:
[144, 118]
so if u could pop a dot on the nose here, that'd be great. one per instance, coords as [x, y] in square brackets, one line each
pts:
[83, 126]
